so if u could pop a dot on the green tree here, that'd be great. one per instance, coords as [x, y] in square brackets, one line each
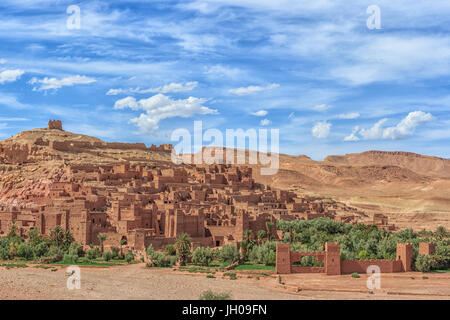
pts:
[202, 256]
[424, 263]
[269, 226]
[229, 253]
[183, 248]
[102, 238]
[13, 230]
[441, 232]
[260, 236]
[57, 236]
[122, 242]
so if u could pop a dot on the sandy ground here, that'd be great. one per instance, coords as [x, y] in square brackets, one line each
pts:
[138, 282]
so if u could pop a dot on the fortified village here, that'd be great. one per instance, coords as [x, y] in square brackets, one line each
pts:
[145, 204]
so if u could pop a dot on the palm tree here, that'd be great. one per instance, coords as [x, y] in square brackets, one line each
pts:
[183, 248]
[13, 231]
[121, 243]
[269, 226]
[260, 235]
[441, 233]
[57, 236]
[101, 237]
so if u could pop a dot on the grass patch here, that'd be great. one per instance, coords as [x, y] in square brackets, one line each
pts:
[211, 295]
[197, 269]
[210, 276]
[218, 264]
[13, 265]
[232, 275]
[355, 275]
[440, 271]
[248, 266]
[43, 266]
[84, 263]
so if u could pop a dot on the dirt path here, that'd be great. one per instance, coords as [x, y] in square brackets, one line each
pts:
[125, 282]
[137, 282]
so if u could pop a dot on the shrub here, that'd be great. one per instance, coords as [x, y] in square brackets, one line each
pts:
[75, 249]
[40, 249]
[55, 253]
[355, 275]
[170, 250]
[202, 256]
[93, 253]
[114, 253]
[4, 254]
[25, 251]
[264, 254]
[50, 259]
[424, 263]
[129, 257]
[229, 253]
[158, 259]
[210, 295]
[70, 258]
[107, 256]
[310, 261]
[363, 255]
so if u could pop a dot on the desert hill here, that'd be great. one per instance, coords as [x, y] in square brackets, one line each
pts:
[413, 190]
[426, 165]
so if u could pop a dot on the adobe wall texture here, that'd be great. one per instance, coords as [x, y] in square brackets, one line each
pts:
[334, 266]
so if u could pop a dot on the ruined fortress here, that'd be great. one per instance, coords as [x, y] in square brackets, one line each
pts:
[143, 203]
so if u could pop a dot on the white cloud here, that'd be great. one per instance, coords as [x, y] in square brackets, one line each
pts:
[128, 102]
[54, 83]
[376, 132]
[10, 75]
[161, 107]
[2, 61]
[13, 119]
[405, 128]
[352, 136]
[223, 71]
[12, 102]
[352, 115]
[321, 130]
[322, 107]
[252, 89]
[395, 58]
[265, 122]
[260, 113]
[172, 87]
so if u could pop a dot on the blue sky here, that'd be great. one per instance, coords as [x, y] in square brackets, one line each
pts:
[137, 70]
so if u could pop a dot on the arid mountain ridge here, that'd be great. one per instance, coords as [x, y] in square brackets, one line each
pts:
[412, 189]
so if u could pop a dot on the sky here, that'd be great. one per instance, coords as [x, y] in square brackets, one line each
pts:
[334, 76]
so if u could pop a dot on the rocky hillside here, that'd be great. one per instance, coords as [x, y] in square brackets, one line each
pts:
[410, 188]
[426, 165]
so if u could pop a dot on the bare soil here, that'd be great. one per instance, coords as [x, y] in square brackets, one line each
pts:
[138, 282]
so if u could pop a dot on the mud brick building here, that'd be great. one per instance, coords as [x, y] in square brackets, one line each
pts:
[333, 265]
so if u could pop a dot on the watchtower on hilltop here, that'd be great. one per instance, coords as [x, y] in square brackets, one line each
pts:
[55, 124]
